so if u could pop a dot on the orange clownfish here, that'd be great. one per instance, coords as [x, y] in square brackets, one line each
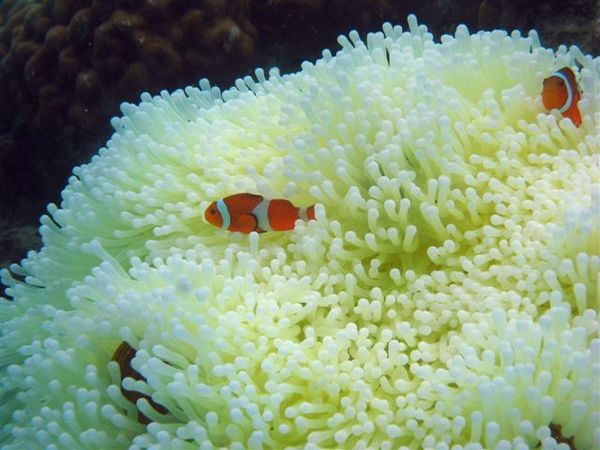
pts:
[250, 212]
[560, 92]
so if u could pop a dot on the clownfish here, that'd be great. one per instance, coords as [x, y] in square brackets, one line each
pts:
[250, 212]
[123, 356]
[560, 92]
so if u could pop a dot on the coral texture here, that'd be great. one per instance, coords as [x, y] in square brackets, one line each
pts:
[79, 57]
[445, 297]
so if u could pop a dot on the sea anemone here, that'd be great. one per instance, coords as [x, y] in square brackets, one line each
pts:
[445, 297]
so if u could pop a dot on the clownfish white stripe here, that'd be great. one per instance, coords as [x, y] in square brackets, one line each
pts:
[569, 99]
[260, 211]
[224, 211]
[302, 214]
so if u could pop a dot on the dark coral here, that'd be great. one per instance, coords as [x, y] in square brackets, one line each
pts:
[576, 22]
[64, 56]
[292, 31]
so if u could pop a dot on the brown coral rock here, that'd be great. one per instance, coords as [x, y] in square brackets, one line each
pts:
[84, 48]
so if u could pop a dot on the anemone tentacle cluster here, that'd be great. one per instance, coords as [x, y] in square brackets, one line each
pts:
[445, 297]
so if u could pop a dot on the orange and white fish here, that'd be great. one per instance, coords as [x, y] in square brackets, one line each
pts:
[250, 212]
[561, 92]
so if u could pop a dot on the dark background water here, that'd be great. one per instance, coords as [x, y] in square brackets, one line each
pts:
[66, 65]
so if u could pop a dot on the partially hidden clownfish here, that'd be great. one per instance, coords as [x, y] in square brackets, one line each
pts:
[561, 92]
[250, 212]
[123, 356]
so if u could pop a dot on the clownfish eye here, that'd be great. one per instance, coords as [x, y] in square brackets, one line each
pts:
[213, 211]
[561, 82]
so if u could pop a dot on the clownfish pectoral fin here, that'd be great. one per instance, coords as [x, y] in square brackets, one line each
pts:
[245, 223]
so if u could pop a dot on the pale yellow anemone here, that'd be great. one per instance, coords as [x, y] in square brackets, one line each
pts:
[446, 297]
